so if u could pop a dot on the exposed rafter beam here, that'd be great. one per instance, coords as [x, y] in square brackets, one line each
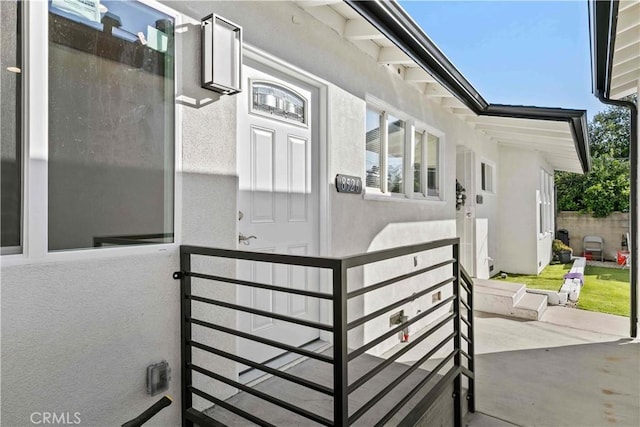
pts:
[317, 3]
[628, 20]
[393, 55]
[413, 47]
[621, 79]
[552, 140]
[627, 66]
[454, 103]
[525, 131]
[546, 141]
[462, 111]
[415, 74]
[627, 38]
[434, 89]
[624, 90]
[626, 4]
[629, 53]
[519, 123]
[359, 29]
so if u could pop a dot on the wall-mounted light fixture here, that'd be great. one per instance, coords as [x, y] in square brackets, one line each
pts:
[221, 55]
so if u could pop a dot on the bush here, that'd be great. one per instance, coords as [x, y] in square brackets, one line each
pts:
[558, 246]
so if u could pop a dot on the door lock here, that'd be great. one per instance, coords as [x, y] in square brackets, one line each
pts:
[245, 239]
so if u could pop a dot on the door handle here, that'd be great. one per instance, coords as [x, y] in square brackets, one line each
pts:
[245, 239]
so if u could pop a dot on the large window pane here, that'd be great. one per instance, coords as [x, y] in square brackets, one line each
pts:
[433, 168]
[11, 129]
[111, 125]
[395, 154]
[372, 150]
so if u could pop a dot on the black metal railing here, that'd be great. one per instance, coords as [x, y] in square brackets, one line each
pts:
[453, 318]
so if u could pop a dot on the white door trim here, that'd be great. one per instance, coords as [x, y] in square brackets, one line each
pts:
[322, 129]
[277, 64]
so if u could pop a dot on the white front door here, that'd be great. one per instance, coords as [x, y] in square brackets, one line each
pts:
[278, 203]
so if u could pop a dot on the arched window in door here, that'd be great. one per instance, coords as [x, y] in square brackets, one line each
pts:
[278, 102]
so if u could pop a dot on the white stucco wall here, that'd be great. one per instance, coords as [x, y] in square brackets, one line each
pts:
[521, 249]
[77, 335]
[487, 151]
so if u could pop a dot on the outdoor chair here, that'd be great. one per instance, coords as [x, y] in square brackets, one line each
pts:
[594, 245]
[627, 259]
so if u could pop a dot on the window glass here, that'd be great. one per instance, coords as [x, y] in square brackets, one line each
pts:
[487, 177]
[111, 124]
[373, 146]
[11, 129]
[483, 172]
[541, 215]
[418, 186]
[395, 154]
[277, 101]
[433, 169]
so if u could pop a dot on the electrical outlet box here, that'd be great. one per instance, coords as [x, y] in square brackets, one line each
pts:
[158, 377]
[397, 318]
[435, 297]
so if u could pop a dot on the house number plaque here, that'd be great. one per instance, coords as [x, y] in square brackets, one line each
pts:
[348, 184]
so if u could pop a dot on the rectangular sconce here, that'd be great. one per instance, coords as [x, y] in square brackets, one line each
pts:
[221, 55]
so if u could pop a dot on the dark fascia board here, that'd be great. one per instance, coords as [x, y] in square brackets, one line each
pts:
[388, 17]
[395, 23]
[603, 21]
[577, 120]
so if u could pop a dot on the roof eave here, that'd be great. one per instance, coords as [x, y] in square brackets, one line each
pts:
[395, 24]
[577, 120]
[603, 18]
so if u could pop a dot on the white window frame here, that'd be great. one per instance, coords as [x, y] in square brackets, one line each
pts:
[493, 181]
[426, 130]
[382, 171]
[545, 203]
[423, 161]
[36, 149]
[411, 127]
[17, 250]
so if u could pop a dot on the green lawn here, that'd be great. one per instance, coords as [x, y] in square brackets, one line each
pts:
[605, 290]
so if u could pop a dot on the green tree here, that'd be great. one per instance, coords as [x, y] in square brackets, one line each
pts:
[606, 187]
[609, 133]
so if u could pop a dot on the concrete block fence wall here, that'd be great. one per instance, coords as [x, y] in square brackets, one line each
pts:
[610, 228]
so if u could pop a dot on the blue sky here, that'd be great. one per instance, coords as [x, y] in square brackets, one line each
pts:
[516, 52]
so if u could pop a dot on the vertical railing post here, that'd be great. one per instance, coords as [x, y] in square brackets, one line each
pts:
[340, 361]
[471, 394]
[457, 339]
[185, 332]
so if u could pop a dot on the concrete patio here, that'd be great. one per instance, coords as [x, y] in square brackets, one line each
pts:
[572, 368]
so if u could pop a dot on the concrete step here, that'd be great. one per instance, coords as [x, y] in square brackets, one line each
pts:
[494, 296]
[508, 299]
[530, 306]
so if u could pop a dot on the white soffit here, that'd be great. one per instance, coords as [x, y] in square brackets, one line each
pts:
[354, 28]
[625, 73]
[552, 138]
